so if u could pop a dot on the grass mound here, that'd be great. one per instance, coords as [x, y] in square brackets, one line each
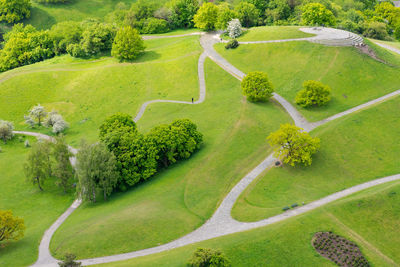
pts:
[38, 209]
[354, 149]
[368, 218]
[87, 91]
[184, 196]
[338, 249]
[354, 77]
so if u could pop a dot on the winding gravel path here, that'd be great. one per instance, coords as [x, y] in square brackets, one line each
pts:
[388, 47]
[221, 223]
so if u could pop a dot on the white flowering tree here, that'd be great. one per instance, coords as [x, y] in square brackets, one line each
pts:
[234, 28]
[6, 130]
[56, 121]
[36, 115]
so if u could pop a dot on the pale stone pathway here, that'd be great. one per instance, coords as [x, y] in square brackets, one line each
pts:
[221, 223]
[388, 47]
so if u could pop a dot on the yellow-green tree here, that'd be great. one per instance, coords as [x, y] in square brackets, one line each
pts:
[293, 145]
[206, 17]
[128, 44]
[317, 14]
[11, 228]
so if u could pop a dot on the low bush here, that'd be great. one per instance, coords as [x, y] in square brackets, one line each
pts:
[203, 257]
[314, 94]
[232, 44]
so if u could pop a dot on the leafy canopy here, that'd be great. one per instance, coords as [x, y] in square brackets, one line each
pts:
[317, 14]
[127, 44]
[206, 17]
[257, 87]
[314, 93]
[293, 145]
[11, 228]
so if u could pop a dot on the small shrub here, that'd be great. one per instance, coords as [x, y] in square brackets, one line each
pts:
[208, 257]
[69, 261]
[314, 94]
[232, 44]
[6, 130]
[285, 208]
[376, 30]
[294, 205]
[27, 144]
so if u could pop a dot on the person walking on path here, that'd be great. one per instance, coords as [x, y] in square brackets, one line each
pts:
[192, 100]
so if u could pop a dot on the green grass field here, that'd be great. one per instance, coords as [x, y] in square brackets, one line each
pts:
[355, 149]
[181, 198]
[43, 16]
[85, 92]
[38, 209]
[369, 218]
[394, 44]
[266, 33]
[355, 78]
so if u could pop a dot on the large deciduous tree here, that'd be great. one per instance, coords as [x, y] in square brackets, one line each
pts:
[11, 227]
[62, 168]
[127, 44]
[293, 145]
[317, 14]
[95, 170]
[14, 10]
[248, 14]
[38, 164]
[257, 87]
[206, 17]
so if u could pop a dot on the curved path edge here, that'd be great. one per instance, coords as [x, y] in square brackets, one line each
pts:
[221, 223]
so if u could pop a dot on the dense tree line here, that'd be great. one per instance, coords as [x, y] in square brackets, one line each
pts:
[139, 156]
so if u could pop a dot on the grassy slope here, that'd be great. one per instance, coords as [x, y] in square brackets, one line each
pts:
[265, 33]
[38, 209]
[372, 215]
[179, 199]
[354, 77]
[355, 149]
[43, 16]
[85, 92]
[394, 44]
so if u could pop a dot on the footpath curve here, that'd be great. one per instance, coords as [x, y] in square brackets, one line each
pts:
[221, 223]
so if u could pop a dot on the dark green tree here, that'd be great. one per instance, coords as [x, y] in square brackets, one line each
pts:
[69, 261]
[182, 12]
[207, 257]
[248, 14]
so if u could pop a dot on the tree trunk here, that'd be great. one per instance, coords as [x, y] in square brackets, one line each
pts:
[105, 195]
[94, 194]
[38, 182]
[165, 162]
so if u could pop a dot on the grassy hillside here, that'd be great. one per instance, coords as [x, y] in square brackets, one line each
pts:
[369, 218]
[265, 33]
[354, 78]
[354, 149]
[38, 209]
[85, 92]
[181, 198]
[43, 16]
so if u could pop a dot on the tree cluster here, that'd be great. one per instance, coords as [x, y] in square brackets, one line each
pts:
[38, 116]
[47, 160]
[14, 10]
[25, 45]
[139, 156]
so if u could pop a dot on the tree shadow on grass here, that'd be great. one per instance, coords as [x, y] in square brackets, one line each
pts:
[40, 19]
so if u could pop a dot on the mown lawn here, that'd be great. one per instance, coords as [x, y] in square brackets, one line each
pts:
[85, 92]
[354, 77]
[369, 218]
[43, 16]
[38, 209]
[266, 33]
[355, 149]
[181, 198]
[394, 44]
